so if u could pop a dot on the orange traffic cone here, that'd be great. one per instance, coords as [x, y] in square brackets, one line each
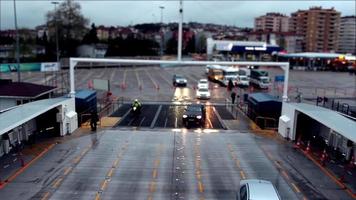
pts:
[298, 144]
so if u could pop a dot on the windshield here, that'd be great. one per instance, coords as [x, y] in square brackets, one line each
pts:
[194, 108]
[265, 80]
[203, 90]
[243, 78]
[230, 73]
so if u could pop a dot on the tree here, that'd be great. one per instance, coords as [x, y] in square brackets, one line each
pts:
[171, 47]
[71, 26]
[91, 37]
[190, 48]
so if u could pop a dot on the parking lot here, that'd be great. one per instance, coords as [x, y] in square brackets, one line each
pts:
[155, 83]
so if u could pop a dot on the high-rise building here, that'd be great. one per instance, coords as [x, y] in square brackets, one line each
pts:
[319, 28]
[274, 22]
[347, 35]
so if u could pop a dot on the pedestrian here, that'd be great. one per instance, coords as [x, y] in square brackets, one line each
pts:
[93, 120]
[233, 97]
[230, 85]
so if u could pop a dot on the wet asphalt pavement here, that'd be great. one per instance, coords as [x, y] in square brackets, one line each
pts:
[162, 164]
[165, 116]
[170, 161]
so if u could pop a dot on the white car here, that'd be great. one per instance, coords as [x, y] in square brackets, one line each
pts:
[203, 93]
[257, 190]
[203, 83]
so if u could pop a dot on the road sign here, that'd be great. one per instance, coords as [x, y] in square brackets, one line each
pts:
[279, 78]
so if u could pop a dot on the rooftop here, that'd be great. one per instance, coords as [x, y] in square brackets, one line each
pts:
[331, 119]
[24, 90]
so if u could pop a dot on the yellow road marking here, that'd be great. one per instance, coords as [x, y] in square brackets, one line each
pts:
[66, 171]
[284, 173]
[110, 172]
[57, 182]
[153, 187]
[116, 163]
[198, 175]
[295, 188]
[45, 196]
[201, 187]
[238, 163]
[97, 196]
[210, 124]
[242, 174]
[154, 174]
[84, 151]
[278, 165]
[157, 163]
[76, 159]
[103, 185]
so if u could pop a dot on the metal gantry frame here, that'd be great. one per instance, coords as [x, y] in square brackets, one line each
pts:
[73, 62]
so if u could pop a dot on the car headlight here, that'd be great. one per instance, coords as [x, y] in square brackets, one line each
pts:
[184, 81]
[199, 117]
[185, 116]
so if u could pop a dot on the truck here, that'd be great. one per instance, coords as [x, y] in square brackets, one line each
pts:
[243, 77]
[230, 73]
[260, 79]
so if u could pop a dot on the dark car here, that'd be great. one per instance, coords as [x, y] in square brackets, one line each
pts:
[194, 114]
[179, 80]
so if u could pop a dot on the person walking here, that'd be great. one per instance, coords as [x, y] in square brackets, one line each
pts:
[233, 97]
[93, 120]
[230, 85]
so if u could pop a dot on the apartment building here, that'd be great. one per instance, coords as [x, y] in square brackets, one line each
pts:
[347, 35]
[319, 28]
[274, 22]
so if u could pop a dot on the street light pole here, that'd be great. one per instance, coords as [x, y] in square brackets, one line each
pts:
[56, 27]
[17, 46]
[161, 7]
[162, 33]
[180, 27]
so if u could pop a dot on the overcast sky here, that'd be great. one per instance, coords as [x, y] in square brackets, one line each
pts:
[239, 13]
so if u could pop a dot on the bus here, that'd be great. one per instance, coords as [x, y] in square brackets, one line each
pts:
[215, 73]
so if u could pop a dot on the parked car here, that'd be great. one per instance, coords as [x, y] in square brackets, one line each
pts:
[203, 93]
[257, 190]
[194, 114]
[203, 83]
[179, 80]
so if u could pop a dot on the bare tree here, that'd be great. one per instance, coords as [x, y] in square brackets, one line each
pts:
[71, 23]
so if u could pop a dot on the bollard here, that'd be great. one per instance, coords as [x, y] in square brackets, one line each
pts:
[323, 158]
[352, 162]
[308, 147]
[22, 162]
